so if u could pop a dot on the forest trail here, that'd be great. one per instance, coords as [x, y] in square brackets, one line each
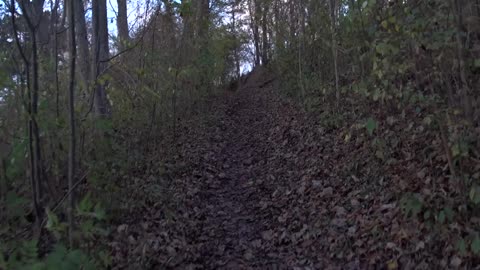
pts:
[236, 220]
[231, 169]
[257, 183]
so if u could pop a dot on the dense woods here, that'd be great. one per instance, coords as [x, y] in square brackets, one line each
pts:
[105, 104]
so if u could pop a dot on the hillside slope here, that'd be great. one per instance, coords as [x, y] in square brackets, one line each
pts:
[259, 183]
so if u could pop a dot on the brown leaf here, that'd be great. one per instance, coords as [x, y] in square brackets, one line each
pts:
[267, 235]
[455, 261]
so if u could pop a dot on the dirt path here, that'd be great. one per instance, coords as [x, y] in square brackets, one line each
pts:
[223, 192]
[257, 184]
[235, 222]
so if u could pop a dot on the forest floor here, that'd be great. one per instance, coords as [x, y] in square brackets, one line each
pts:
[258, 183]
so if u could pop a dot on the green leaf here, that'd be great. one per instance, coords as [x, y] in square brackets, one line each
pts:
[384, 24]
[364, 5]
[52, 220]
[105, 258]
[475, 245]
[99, 211]
[3, 262]
[104, 124]
[371, 125]
[476, 63]
[411, 204]
[15, 205]
[56, 257]
[54, 225]
[29, 251]
[462, 246]
[382, 48]
[448, 213]
[85, 204]
[455, 150]
[441, 217]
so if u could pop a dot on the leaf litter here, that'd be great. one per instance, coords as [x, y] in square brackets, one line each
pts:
[259, 183]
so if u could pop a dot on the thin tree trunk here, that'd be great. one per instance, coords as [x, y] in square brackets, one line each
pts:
[301, 49]
[81, 38]
[54, 8]
[203, 14]
[279, 46]
[292, 23]
[334, 47]
[464, 85]
[71, 116]
[32, 13]
[264, 33]
[254, 20]
[234, 31]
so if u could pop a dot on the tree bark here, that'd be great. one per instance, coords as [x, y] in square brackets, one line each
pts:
[32, 12]
[254, 21]
[71, 116]
[278, 38]
[292, 23]
[81, 38]
[203, 14]
[464, 84]
[264, 33]
[100, 56]
[234, 32]
[122, 25]
[333, 27]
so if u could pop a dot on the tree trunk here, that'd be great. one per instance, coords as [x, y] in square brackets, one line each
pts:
[81, 37]
[333, 23]
[264, 33]
[32, 12]
[292, 23]
[203, 14]
[100, 55]
[234, 32]
[71, 116]
[464, 84]
[254, 20]
[278, 39]
[122, 25]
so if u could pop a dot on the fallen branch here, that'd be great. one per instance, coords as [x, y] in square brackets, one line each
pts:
[57, 205]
